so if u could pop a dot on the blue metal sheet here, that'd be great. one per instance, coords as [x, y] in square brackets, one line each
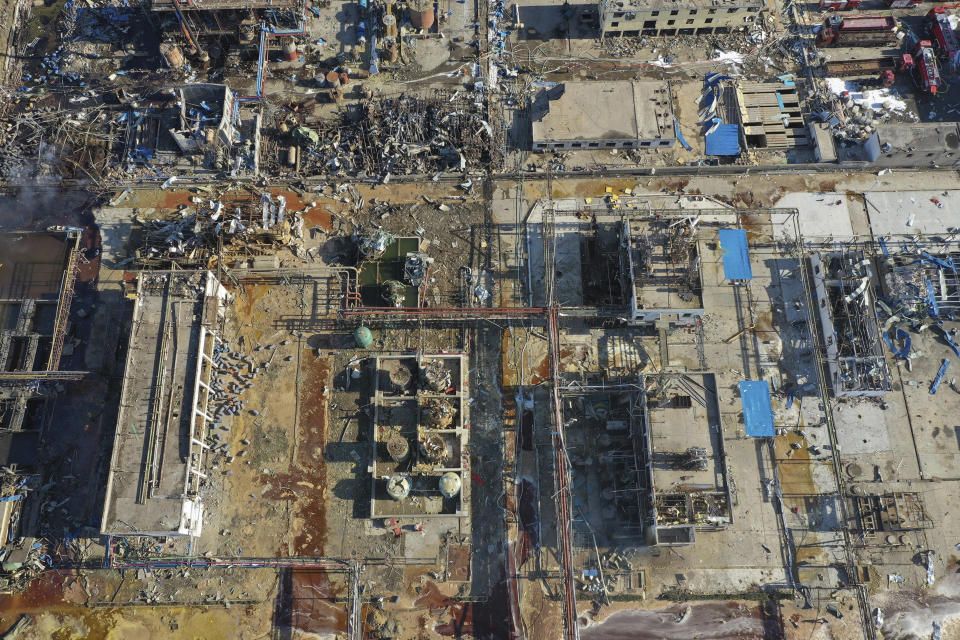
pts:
[942, 372]
[724, 141]
[736, 254]
[676, 129]
[757, 412]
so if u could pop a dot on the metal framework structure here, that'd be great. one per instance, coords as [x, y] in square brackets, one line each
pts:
[843, 282]
[561, 468]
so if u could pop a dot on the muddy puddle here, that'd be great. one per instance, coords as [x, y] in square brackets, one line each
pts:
[313, 604]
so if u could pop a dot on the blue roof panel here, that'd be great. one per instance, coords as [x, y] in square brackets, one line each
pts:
[736, 254]
[724, 141]
[757, 411]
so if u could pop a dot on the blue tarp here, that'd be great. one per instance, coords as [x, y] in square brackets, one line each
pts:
[757, 412]
[724, 141]
[736, 255]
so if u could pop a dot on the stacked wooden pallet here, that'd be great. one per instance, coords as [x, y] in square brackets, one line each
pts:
[770, 115]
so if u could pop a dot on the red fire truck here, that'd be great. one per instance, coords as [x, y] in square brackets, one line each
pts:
[857, 31]
[840, 5]
[925, 71]
[944, 39]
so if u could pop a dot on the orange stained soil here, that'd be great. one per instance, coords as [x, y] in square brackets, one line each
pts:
[233, 199]
[305, 484]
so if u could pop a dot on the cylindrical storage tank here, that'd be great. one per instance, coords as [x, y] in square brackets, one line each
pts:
[292, 156]
[398, 447]
[172, 55]
[390, 25]
[363, 337]
[398, 486]
[290, 51]
[434, 449]
[450, 484]
[422, 19]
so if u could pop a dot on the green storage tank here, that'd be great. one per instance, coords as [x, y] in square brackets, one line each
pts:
[363, 337]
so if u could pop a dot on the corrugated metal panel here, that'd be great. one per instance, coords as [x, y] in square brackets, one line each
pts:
[757, 411]
[724, 141]
[736, 254]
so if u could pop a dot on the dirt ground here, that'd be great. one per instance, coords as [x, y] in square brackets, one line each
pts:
[277, 480]
[151, 623]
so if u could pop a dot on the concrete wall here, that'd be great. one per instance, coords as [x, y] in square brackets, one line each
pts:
[824, 148]
[617, 21]
[551, 145]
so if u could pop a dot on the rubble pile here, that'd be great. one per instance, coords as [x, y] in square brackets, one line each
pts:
[193, 234]
[23, 559]
[402, 136]
[44, 140]
[435, 376]
[854, 111]
[915, 280]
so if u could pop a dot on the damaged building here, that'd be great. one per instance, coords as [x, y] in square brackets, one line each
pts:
[647, 461]
[193, 124]
[918, 144]
[661, 265]
[416, 133]
[843, 286]
[38, 276]
[633, 18]
[770, 114]
[164, 437]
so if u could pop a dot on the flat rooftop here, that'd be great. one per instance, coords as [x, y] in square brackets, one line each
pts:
[222, 5]
[616, 110]
[33, 264]
[628, 5]
[919, 135]
[149, 486]
[684, 418]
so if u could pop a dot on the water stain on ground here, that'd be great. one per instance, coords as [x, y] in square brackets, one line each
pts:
[312, 603]
[43, 593]
[705, 621]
